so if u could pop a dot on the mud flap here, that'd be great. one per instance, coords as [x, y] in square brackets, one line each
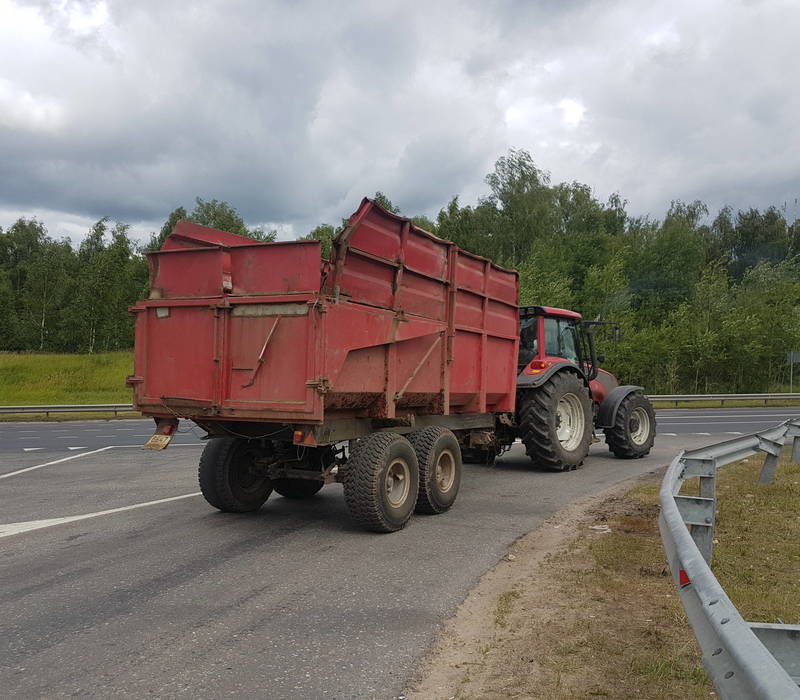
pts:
[165, 430]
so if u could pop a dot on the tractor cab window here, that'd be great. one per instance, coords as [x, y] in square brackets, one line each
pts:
[560, 338]
[528, 339]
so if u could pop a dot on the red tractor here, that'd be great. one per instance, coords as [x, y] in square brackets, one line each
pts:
[563, 396]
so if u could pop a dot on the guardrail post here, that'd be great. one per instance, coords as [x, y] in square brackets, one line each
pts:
[773, 450]
[700, 512]
[793, 431]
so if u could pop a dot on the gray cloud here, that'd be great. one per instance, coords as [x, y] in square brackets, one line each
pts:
[293, 111]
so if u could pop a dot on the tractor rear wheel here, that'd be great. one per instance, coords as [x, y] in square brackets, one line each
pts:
[381, 482]
[230, 477]
[634, 428]
[555, 422]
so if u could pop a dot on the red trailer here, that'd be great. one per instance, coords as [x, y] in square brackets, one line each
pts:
[372, 369]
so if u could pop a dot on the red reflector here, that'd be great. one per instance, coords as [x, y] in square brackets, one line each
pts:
[298, 436]
[683, 578]
[537, 366]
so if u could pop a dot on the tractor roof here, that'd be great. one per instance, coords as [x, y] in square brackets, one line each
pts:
[547, 311]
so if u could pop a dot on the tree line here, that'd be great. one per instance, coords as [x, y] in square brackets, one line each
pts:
[706, 303]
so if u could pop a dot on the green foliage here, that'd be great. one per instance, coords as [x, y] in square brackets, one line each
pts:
[385, 202]
[324, 233]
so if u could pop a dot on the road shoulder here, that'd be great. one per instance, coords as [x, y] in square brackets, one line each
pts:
[542, 623]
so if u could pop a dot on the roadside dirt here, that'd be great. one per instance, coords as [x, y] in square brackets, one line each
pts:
[563, 615]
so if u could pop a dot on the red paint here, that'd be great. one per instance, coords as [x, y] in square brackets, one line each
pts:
[683, 578]
[553, 311]
[398, 322]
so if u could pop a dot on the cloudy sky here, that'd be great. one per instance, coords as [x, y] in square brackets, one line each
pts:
[292, 111]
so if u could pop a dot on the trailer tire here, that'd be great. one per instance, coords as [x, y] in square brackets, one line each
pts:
[381, 482]
[634, 428]
[439, 458]
[228, 478]
[555, 422]
[297, 488]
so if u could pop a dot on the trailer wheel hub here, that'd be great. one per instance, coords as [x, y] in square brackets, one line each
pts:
[445, 471]
[398, 479]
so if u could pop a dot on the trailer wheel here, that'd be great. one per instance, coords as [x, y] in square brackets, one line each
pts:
[381, 481]
[297, 488]
[634, 428]
[555, 422]
[439, 459]
[229, 476]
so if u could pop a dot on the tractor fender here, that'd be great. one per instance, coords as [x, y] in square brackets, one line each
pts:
[608, 409]
[533, 381]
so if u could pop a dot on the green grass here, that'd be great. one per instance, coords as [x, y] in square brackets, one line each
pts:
[36, 379]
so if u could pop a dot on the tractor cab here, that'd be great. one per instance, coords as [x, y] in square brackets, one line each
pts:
[549, 337]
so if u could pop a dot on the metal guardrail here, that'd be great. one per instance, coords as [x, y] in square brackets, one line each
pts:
[69, 408]
[744, 659]
[722, 398]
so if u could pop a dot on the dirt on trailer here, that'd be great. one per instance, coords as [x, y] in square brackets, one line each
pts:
[583, 607]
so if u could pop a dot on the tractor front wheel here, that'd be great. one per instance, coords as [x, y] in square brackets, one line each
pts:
[634, 428]
[555, 422]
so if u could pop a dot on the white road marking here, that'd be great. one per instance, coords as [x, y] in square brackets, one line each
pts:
[56, 461]
[84, 454]
[105, 436]
[27, 431]
[702, 433]
[68, 437]
[669, 434]
[34, 437]
[732, 432]
[31, 449]
[131, 429]
[18, 528]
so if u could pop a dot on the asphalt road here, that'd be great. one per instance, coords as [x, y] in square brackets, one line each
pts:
[172, 598]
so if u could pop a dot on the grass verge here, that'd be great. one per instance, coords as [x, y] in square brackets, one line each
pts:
[46, 379]
[599, 615]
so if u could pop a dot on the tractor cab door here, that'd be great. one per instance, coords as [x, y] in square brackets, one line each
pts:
[567, 338]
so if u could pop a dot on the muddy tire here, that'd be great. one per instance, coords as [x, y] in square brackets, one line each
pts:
[381, 482]
[634, 428]
[297, 488]
[555, 422]
[229, 477]
[439, 459]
